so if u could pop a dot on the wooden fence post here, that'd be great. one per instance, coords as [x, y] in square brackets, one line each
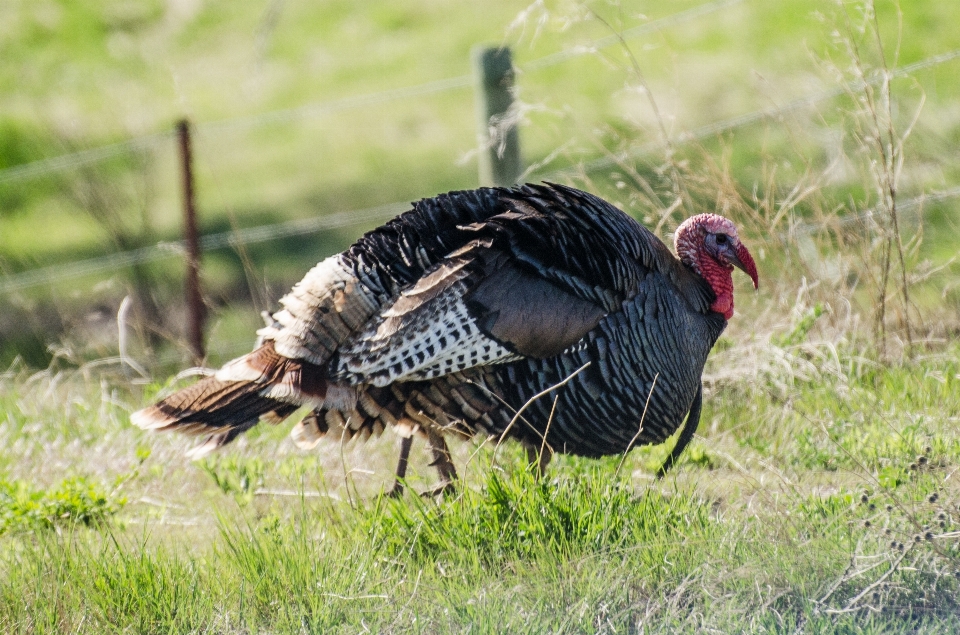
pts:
[196, 312]
[496, 133]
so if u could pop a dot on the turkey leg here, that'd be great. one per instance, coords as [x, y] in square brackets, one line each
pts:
[402, 462]
[686, 435]
[539, 459]
[441, 461]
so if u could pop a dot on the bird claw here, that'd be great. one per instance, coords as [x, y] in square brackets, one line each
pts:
[440, 490]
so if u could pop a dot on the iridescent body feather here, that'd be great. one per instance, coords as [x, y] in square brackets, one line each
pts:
[450, 317]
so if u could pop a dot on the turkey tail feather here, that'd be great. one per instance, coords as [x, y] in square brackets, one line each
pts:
[261, 385]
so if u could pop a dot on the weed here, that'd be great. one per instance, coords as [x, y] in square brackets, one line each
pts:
[76, 500]
[235, 476]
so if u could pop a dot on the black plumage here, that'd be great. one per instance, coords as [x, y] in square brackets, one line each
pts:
[450, 317]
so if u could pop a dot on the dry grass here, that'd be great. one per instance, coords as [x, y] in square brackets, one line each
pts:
[839, 380]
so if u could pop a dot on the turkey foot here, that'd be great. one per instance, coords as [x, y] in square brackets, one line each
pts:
[539, 459]
[440, 490]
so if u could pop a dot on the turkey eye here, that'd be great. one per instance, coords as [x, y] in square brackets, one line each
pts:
[721, 239]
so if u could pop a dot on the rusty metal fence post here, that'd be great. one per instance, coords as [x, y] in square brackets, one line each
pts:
[196, 311]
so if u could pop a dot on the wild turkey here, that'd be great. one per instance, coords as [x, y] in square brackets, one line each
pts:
[452, 316]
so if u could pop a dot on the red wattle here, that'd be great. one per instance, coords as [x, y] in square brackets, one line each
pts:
[720, 279]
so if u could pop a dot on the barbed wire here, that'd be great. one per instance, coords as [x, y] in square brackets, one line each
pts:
[210, 242]
[644, 29]
[715, 128]
[160, 251]
[81, 157]
[346, 103]
[94, 155]
[907, 205]
[264, 233]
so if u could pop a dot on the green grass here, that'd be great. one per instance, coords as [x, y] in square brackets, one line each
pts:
[94, 73]
[74, 501]
[833, 510]
[820, 495]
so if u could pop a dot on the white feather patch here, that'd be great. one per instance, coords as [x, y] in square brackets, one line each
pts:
[151, 419]
[239, 369]
[406, 427]
[285, 392]
[340, 397]
[198, 452]
[306, 436]
[319, 312]
[439, 339]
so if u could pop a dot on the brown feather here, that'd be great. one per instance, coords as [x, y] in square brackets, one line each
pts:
[428, 288]
[262, 384]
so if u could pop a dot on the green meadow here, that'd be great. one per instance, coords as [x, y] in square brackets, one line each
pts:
[820, 494]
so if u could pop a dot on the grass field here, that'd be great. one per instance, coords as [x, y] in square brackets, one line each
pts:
[816, 501]
[821, 494]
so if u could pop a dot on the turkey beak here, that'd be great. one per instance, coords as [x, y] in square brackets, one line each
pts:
[740, 258]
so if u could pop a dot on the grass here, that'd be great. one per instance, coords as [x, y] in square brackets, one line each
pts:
[820, 495]
[74, 501]
[101, 72]
[834, 509]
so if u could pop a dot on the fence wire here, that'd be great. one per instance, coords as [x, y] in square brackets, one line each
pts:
[644, 29]
[81, 157]
[93, 155]
[264, 233]
[209, 242]
[712, 129]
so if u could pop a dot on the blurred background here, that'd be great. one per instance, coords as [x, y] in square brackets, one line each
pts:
[827, 130]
